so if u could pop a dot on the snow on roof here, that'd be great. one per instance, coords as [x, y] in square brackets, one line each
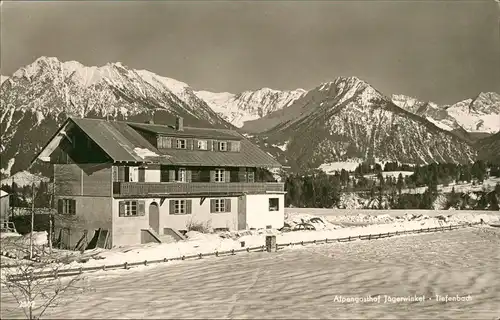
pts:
[143, 153]
[3, 194]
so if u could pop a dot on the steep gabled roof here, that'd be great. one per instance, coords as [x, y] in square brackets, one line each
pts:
[115, 138]
[122, 143]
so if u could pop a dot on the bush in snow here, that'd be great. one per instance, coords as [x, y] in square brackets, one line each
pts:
[203, 227]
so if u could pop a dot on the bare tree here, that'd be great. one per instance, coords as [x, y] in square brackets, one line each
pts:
[35, 293]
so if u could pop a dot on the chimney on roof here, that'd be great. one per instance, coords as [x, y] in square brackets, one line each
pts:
[179, 124]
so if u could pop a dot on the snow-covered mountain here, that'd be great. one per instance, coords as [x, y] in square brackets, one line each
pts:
[478, 115]
[249, 105]
[339, 120]
[348, 119]
[38, 98]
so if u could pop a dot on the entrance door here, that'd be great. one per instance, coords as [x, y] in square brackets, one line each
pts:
[154, 217]
[242, 213]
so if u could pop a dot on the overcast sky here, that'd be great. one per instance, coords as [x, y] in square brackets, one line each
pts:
[442, 51]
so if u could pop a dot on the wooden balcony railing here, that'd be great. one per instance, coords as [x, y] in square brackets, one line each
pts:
[179, 188]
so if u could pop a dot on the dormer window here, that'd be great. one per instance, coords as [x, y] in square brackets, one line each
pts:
[202, 145]
[222, 146]
[181, 144]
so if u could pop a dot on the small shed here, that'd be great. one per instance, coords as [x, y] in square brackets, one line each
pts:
[4, 205]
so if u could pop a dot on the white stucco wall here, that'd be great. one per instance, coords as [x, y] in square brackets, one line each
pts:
[258, 214]
[152, 175]
[127, 230]
[200, 213]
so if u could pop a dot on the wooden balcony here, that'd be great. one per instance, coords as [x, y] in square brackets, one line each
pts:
[145, 189]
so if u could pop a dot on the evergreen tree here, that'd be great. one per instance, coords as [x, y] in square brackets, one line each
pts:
[400, 183]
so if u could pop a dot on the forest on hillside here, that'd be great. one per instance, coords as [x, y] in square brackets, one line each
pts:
[316, 189]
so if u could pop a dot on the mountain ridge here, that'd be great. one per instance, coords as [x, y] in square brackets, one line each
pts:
[38, 97]
[349, 119]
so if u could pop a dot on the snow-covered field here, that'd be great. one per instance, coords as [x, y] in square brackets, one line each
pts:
[307, 282]
[488, 185]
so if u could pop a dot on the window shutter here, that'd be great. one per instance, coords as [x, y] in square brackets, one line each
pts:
[141, 208]
[228, 205]
[126, 174]
[172, 206]
[189, 144]
[171, 175]
[73, 206]
[60, 206]
[229, 146]
[189, 176]
[114, 173]
[212, 205]
[188, 206]
[210, 145]
[212, 175]
[174, 143]
[227, 176]
[121, 208]
[167, 142]
[215, 146]
[142, 174]
[242, 175]
[121, 174]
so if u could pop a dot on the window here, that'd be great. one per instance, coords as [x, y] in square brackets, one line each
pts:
[220, 205]
[180, 175]
[131, 174]
[222, 146]
[251, 176]
[164, 142]
[220, 175]
[180, 206]
[235, 146]
[181, 143]
[202, 144]
[131, 208]
[274, 204]
[67, 206]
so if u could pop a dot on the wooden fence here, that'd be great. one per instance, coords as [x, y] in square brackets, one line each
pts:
[76, 271]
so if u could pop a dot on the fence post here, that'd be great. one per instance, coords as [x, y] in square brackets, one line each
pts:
[270, 243]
